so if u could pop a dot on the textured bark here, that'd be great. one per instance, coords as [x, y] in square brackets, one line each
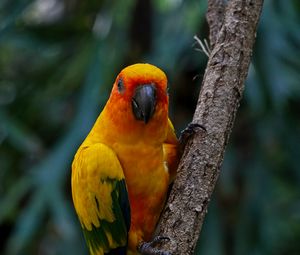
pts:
[215, 17]
[221, 91]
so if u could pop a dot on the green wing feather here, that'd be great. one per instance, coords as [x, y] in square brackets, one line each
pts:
[100, 198]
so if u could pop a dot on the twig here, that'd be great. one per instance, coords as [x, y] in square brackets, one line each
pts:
[204, 47]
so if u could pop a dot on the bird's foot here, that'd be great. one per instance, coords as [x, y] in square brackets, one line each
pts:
[147, 248]
[189, 131]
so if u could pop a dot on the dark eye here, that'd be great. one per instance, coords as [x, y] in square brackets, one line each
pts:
[120, 85]
[167, 89]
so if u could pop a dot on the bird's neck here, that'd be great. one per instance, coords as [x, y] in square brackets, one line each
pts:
[120, 126]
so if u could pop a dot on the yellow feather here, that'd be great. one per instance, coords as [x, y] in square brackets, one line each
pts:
[86, 176]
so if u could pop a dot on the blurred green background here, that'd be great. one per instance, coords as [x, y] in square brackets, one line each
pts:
[58, 60]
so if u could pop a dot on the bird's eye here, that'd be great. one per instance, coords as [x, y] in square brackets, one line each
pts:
[167, 89]
[120, 85]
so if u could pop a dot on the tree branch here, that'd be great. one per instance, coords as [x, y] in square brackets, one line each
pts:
[221, 91]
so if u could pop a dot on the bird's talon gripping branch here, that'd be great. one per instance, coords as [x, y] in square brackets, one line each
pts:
[147, 248]
[159, 239]
[189, 131]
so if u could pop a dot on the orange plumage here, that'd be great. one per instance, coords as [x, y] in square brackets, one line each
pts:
[134, 126]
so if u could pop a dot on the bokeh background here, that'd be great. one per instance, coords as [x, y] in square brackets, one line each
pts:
[58, 60]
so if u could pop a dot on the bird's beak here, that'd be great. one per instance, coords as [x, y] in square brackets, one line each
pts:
[143, 102]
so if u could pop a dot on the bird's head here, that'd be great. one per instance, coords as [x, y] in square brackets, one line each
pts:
[140, 94]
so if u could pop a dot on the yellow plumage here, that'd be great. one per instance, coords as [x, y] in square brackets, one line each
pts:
[124, 146]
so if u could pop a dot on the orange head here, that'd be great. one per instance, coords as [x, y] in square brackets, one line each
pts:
[139, 97]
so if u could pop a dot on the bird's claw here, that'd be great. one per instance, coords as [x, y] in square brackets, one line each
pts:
[147, 248]
[158, 239]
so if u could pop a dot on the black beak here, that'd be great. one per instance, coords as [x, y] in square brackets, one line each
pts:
[143, 102]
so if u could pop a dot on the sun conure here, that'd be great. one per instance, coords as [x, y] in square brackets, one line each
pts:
[122, 170]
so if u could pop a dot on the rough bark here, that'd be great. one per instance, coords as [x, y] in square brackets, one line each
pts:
[221, 91]
[215, 18]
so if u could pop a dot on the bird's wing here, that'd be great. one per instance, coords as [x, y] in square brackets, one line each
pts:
[171, 151]
[100, 198]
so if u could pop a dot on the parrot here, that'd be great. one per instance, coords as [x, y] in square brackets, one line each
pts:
[122, 171]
